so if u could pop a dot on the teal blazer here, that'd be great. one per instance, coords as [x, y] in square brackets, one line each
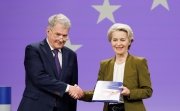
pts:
[136, 79]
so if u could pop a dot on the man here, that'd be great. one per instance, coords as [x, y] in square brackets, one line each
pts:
[51, 71]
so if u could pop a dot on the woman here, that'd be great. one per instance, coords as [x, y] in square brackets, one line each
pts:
[126, 68]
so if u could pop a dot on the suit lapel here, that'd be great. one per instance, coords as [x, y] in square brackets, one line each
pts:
[111, 69]
[46, 49]
[64, 61]
[127, 69]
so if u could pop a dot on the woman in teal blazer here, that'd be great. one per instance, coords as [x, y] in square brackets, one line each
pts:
[126, 68]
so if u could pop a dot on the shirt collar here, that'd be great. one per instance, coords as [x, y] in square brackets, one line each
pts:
[50, 45]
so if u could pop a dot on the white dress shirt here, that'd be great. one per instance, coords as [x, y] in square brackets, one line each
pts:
[60, 60]
[118, 75]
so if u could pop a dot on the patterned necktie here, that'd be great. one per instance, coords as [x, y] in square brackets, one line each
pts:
[58, 67]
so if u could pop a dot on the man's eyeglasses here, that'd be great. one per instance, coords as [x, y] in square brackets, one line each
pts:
[59, 35]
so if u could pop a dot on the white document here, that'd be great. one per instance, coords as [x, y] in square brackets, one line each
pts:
[107, 91]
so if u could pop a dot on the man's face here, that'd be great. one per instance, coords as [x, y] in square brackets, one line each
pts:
[57, 36]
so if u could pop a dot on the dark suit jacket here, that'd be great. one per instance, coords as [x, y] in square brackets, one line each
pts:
[44, 89]
[136, 78]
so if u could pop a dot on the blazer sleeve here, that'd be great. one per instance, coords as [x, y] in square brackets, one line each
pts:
[36, 72]
[144, 89]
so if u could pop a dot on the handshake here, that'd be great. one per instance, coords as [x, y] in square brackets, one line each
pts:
[75, 92]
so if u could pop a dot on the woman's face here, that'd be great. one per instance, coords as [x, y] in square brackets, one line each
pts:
[120, 42]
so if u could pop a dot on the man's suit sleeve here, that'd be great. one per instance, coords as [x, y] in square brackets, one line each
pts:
[35, 70]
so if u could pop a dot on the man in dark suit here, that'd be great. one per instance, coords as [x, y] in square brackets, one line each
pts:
[51, 77]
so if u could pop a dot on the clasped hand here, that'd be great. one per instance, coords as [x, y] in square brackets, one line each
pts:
[75, 92]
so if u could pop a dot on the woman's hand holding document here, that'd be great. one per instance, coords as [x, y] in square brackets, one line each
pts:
[107, 91]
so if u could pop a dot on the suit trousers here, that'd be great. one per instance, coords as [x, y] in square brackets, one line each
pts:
[55, 109]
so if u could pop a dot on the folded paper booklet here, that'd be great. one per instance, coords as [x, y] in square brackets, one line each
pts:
[107, 91]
